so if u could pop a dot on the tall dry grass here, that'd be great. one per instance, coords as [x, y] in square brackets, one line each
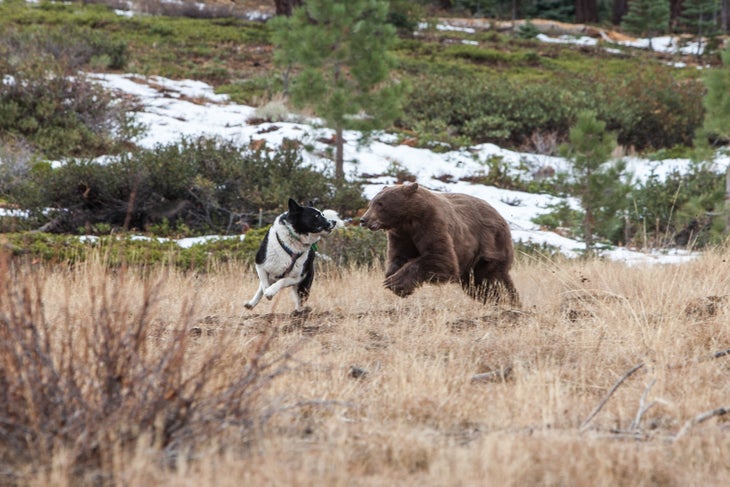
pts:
[163, 378]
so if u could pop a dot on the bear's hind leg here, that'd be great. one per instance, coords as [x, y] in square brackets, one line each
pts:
[487, 284]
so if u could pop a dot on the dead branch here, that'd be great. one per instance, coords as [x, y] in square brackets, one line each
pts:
[641, 410]
[721, 353]
[718, 354]
[498, 375]
[600, 405]
[701, 418]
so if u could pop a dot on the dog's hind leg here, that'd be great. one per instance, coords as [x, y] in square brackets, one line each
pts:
[298, 301]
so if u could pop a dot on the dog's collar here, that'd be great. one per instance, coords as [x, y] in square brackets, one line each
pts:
[292, 254]
[292, 234]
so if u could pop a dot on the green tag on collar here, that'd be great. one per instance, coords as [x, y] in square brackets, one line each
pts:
[314, 247]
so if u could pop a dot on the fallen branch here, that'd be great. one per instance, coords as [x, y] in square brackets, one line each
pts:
[493, 376]
[608, 396]
[701, 418]
[719, 354]
[641, 410]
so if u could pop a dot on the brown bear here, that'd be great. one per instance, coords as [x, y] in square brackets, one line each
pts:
[443, 237]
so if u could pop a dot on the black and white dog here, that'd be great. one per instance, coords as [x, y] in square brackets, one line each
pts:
[286, 255]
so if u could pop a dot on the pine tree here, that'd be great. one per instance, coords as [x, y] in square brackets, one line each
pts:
[647, 17]
[717, 100]
[717, 115]
[599, 187]
[339, 49]
[700, 18]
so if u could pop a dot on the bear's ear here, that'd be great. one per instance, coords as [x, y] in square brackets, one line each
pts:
[294, 206]
[411, 188]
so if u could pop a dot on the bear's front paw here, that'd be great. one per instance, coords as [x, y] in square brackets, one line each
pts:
[399, 287]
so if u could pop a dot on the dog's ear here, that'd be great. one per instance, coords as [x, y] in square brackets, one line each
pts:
[294, 206]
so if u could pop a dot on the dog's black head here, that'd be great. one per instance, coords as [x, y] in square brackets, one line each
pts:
[307, 219]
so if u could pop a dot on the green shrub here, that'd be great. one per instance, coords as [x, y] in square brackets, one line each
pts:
[496, 111]
[648, 109]
[680, 209]
[202, 186]
[45, 101]
[350, 246]
[651, 108]
[561, 217]
[527, 31]
[354, 246]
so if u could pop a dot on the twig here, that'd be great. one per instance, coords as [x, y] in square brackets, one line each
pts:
[608, 396]
[493, 376]
[641, 410]
[701, 418]
[718, 354]
[721, 353]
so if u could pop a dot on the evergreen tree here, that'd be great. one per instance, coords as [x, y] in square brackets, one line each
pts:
[599, 185]
[717, 100]
[339, 49]
[699, 17]
[647, 17]
[717, 115]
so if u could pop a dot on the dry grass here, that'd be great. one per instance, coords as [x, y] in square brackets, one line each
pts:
[371, 389]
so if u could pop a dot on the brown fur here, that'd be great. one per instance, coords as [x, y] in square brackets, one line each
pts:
[443, 237]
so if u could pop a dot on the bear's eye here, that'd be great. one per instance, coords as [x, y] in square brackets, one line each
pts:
[378, 204]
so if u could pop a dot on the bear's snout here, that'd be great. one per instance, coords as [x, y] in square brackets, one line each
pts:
[368, 223]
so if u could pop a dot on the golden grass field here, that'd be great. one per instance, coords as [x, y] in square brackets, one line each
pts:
[368, 388]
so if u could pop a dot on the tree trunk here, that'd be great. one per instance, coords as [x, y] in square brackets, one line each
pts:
[586, 11]
[620, 8]
[285, 7]
[675, 10]
[339, 157]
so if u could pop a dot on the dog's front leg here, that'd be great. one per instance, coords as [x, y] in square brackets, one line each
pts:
[271, 291]
[263, 284]
[256, 298]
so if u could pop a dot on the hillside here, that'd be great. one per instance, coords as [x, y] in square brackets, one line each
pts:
[472, 89]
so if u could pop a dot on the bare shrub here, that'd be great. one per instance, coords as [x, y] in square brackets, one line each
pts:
[108, 374]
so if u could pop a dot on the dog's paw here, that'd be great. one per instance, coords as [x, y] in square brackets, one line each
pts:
[304, 311]
[249, 306]
[269, 294]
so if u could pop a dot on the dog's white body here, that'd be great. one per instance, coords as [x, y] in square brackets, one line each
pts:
[286, 258]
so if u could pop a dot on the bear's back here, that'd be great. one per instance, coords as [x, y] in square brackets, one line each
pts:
[475, 210]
